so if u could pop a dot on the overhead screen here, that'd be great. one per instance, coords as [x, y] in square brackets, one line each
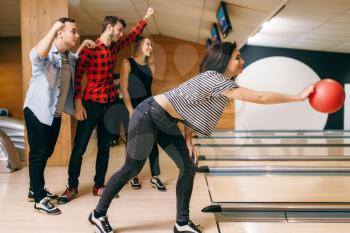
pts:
[223, 20]
[215, 33]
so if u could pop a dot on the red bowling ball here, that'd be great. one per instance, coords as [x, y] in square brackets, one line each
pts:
[328, 96]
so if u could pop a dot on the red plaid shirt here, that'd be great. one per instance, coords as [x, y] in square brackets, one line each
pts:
[98, 64]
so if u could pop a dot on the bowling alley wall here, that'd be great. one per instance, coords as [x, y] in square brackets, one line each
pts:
[11, 96]
[289, 71]
[275, 69]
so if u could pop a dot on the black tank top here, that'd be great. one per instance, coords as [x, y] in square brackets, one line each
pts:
[140, 82]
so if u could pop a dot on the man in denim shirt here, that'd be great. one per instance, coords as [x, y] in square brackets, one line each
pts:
[50, 93]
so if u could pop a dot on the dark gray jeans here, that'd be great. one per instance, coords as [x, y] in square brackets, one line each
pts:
[148, 124]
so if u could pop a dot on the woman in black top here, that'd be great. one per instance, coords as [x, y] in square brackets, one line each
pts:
[136, 76]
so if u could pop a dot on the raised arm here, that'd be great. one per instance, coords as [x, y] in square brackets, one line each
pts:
[266, 97]
[149, 13]
[44, 45]
[124, 84]
[135, 31]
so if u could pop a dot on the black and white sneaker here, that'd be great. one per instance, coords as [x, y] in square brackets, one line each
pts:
[157, 183]
[48, 194]
[188, 228]
[135, 183]
[45, 206]
[100, 225]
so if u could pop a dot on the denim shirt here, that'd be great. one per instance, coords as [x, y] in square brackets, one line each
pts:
[44, 86]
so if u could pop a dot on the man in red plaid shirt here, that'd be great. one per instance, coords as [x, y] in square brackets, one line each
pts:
[99, 95]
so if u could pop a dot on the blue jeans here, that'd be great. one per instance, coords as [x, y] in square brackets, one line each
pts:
[150, 123]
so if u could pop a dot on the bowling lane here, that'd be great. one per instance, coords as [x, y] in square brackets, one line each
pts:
[279, 133]
[275, 151]
[212, 163]
[265, 141]
[287, 187]
[269, 227]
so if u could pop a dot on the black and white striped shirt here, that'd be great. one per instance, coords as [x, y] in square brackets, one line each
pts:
[200, 101]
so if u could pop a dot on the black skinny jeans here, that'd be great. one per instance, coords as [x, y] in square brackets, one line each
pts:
[148, 124]
[42, 140]
[95, 116]
[123, 118]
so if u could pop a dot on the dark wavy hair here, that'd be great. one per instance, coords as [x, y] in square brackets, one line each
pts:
[217, 57]
[112, 20]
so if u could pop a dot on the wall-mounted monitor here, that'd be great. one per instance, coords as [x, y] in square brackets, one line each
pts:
[214, 32]
[208, 42]
[223, 19]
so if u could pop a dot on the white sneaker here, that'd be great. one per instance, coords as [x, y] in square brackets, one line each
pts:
[45, 206]
[135, 183]
[189, 228]
[100, 225]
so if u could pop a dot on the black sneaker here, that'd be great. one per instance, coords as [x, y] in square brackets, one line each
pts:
[188, 228]
[157, 183]
[135, 183]
[100, 225]
[45, 206]
[48, 194]
[113, 142]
